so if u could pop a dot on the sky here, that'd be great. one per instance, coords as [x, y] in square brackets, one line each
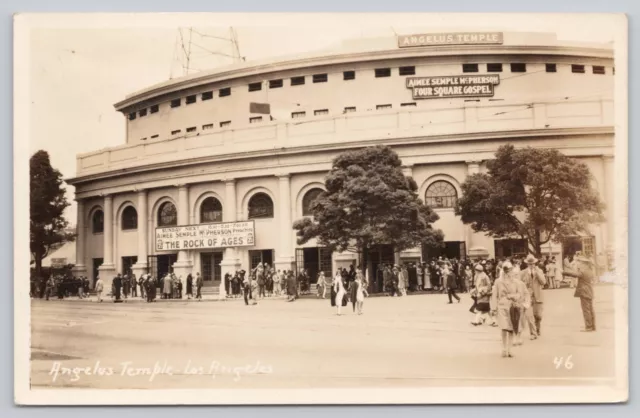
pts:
[78, 67]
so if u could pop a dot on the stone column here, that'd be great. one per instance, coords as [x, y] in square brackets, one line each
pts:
[141, 266]
[473, 167]
[107, 270]
[182, 267]
[230, 262]
[80, 268]
[284, 258]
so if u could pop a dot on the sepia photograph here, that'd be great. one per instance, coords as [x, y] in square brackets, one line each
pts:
[320, 208]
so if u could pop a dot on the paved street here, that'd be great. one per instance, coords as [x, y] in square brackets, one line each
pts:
[402, 342]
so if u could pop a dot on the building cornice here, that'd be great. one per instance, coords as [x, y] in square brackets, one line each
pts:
[249, 70]
[238, 156]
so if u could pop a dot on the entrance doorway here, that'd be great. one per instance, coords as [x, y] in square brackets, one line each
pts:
[314, 260]
[379, 256]
[97, 262]
[451, 249]
[260, 256]
[510, 248]
[160, 265]
[127, 263]
[210, 265]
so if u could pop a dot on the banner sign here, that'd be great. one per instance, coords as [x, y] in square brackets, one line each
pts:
[205, 236]
[463, 38]
[58, 262]
[452, 86]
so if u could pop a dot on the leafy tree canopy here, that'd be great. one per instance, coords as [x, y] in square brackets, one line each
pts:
[540, 195]
[368, 202]
[47, 205]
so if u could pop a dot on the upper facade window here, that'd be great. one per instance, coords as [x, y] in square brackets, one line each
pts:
[176, 102]
[576, 68]
[210, 210]
[518, 67]
[275, 84]
[441, 194]
[469, 68]
[320, 78]
[308, 200]
[550, 68]
[255, 86]
[97, 222]
[297, 81]
[167, 214]
[132, 115]
[494, 68]
[349, 75]
[225, 92]
[191, 99]
[598, 69]
[411, 70]
[260, 206]
[207, 95]
[129, 218]
[321, 112]
[295, 115]
[383, 72]
[153, 109]
[142, 112]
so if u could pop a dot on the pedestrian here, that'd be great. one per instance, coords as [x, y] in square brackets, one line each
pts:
[505, 297]
[198, 286]
[261, 281]
[358, 293]
[141, 283]
[99, 289]
[340, 294]
[320, 289]
[534, 279]
[277, 280]
[166, 287]
[189, 286]
[551, 273]
[584, 274]
[450, 282]
[117, 289]
[482, 292]
[126, 286]
[525, 312]
[292, 286]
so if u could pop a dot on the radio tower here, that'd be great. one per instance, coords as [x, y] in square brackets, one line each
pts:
[200, 49]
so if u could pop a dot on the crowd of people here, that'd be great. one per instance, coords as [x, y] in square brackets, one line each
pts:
[61, 286]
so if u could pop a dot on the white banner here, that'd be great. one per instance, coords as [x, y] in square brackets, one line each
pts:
[205, 236]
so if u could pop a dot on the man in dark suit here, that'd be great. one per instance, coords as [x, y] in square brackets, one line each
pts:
[117, 287]
[584, 289]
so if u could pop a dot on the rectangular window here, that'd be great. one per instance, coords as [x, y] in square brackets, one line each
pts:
[296, 115]
[598, 69]
[142, 112]
[297, 81]
[175, 102]
[579, 69]
[383, 107]
[275, 84]
[176, 132]
[225, 124]
[349, 75]
[411, 104]
[191, 99]
[225, 92]
[494, 68]
[383, 72]
[191, 129]
[349, 109]
[411, 70]
[207, 126]
[255, 119]
[321, 112]
[154, 109]
[255, 86]
[143, 139]
[154, 136]
[132, 115]
[550, 68]
[469, 68]
[207, 95]
[320, 78]
[518, 67]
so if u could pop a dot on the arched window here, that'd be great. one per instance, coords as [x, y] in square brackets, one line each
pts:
[129, 218]
[260, 206]
[97, 222]
[167, 215]
[210, 210]
[307, 200]
[441, 194]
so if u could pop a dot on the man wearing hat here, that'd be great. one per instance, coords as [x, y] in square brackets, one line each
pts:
[534, 279]
[584, 289]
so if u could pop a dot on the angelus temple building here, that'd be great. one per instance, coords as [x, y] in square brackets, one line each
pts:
[216, 166]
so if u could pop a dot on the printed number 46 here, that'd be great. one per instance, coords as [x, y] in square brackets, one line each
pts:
[561, 361]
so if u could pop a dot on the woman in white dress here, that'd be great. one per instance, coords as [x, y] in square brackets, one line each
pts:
[338, 288]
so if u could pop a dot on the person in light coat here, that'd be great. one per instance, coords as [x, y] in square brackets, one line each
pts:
[99, 289]
[534, 279]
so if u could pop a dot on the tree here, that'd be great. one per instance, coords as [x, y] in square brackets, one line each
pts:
[369, 202]
[47, 205]
[540, 195]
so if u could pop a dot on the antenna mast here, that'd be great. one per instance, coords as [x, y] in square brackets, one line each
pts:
[198, 50]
